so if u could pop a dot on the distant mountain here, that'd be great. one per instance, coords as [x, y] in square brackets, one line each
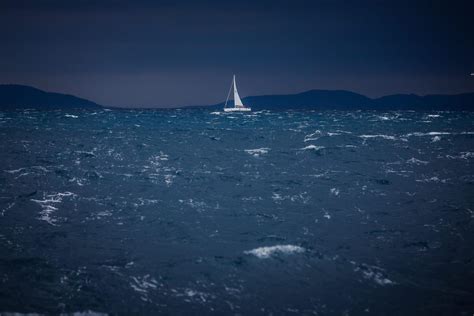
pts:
[346, 100]
[18, 96]
[464, 101]
[313, 99]
[14, 96]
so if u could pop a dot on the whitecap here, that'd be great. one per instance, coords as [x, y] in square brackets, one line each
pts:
[154, 160]
[312, 136]
[417, 161]
[378, 136]
[432, 179]
[462, 155]
[302, 197]
[142, 285]
[169, 179]
[435, 139]
[40, 168]
[78, 181]
[196, 294]
[346, 146]
[467, 155]
[257, 152]
[191, 295]
[71, 116]
[373, 273]
[9, 206]
[277, 197]
[48, 208]
[104, 213]
[15, 170]
[377, 277]
[327, 215]
[312, 147]
[27, 171]
[200, 206]
[267, 252]
[419, 134]
[251, 198]
[85, 153]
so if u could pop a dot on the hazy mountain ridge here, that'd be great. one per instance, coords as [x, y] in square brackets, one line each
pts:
[19, 97]
[13, 96]
[347, 100]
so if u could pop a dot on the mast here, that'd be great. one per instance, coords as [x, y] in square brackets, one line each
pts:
[228, 94]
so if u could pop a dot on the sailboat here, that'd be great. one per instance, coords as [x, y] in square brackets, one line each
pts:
[238, 106]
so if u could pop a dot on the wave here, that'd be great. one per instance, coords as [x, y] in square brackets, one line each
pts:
[48, 208]
[435, 139]
[267, 252]
[462, 155]
[257, 152]
[417, 161]
[427, 134]
[373, 273]
[312, 136]
[432, 179]
[142, 285]
[378, 136]
[313, 147]
[15, 170]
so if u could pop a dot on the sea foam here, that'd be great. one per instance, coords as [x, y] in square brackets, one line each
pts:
[267, 252]
[257, 152]
[312, 147]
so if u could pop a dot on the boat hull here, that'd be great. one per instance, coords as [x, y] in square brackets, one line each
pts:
[237, 109]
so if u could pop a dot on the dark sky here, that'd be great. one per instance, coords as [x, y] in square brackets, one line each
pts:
[168, 53]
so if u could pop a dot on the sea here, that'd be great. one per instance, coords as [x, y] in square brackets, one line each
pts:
[201, 212]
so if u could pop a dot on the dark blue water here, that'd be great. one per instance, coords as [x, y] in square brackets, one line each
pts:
[192, 212]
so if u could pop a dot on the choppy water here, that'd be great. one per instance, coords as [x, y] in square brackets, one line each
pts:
[188, 211]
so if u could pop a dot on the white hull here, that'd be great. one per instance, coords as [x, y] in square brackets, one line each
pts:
[237, 109]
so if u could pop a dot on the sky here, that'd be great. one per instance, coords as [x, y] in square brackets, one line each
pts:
[175, 53]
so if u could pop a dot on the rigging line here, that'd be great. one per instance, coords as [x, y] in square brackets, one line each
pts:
[228, 95]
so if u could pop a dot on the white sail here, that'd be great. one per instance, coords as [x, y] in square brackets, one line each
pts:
[238, 103]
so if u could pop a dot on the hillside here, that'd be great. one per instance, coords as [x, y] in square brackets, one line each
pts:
[14, 96]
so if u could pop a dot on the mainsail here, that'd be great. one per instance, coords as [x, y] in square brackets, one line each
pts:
[237, 101]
